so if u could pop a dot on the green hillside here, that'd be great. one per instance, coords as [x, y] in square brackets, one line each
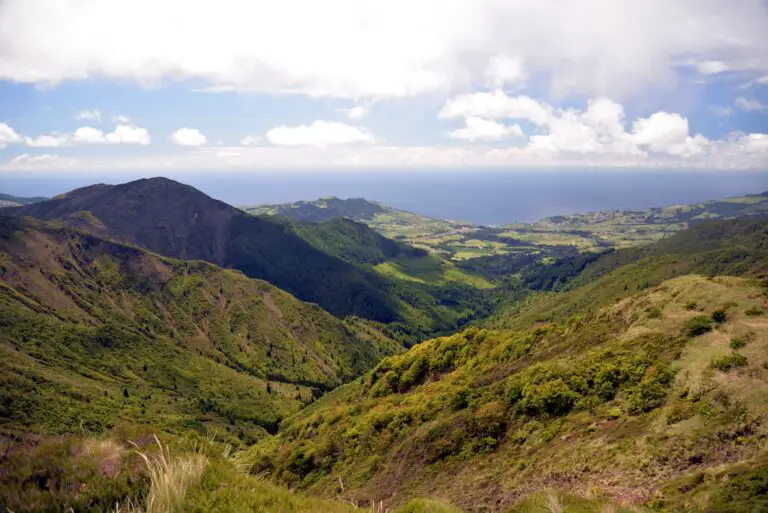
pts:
[736, 247]
[95, 333]
[642, 384]
[624, 402]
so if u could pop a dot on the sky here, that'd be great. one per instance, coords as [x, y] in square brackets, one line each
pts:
[176, 86]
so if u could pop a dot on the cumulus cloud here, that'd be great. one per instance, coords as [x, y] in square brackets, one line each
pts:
[364, 48]
[53, 140]
[496, 105]
[667, 133]
[600, 129]
[319, 133]
[479, 129]
[711, 67]
[748, 105]
[122, 134]
[504, 71]
[93, 115]
[188, 137]
[8, 135]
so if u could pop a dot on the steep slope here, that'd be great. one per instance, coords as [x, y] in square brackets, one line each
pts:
[94, 332]
[355, 242]
[179, 221]
[657, 399]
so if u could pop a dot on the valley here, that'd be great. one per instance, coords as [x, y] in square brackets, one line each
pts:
[342, 355]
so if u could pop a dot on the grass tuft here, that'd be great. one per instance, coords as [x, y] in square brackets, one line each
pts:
[170, 477]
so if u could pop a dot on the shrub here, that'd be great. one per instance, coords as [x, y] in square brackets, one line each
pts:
[698, 326]
[739, 342]
[460, 400]
[742, 493]
[646, 396]
[691, 305]
[730, 362]
[553, 397]
[654, 313]
[413, 375]
[719, 316]
[754, 311]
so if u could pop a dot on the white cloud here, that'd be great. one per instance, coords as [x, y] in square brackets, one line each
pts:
[45, 161]
[359, 111]
[663, 132]
[188, 137]
[365, 48]
[121, 120]
[711, 67]
[496, 105]
[748, 105]
[479, 129]
[504, 71]
[8, 135]
[123, 134]
[94, 115]
[53, 140]
[250, 140]
[319, 133]
[598, 130]
[738, 151]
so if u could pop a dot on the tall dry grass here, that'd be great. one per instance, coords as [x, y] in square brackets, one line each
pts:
[170, 478]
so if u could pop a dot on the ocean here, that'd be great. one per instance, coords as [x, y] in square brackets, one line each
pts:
[481, 197]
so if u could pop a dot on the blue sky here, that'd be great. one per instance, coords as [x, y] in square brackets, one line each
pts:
[233, 85]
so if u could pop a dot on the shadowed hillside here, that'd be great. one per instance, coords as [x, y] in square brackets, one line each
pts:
[329, 264]
[95, 332]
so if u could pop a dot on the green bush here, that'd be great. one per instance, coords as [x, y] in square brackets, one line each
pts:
[698, 326]
[730, 362]
[745, 493]
[743, 340]
[754, 311]
[719, 316]
[416, 371]
[551, 397]
[646, 396]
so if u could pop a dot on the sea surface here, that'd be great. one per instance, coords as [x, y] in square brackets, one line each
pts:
[481, 197]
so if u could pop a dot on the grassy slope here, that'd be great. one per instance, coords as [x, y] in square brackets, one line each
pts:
[85, 321]
[736, 247]
[620, 402]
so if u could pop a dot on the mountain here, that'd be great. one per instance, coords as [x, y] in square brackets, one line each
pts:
[390, 222]
[6, 200]
[179, 221]
[94, 333]
[652, 397]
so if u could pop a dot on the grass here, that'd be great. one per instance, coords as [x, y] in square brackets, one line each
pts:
[171, 477]
[431, 270]
[615, 398]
